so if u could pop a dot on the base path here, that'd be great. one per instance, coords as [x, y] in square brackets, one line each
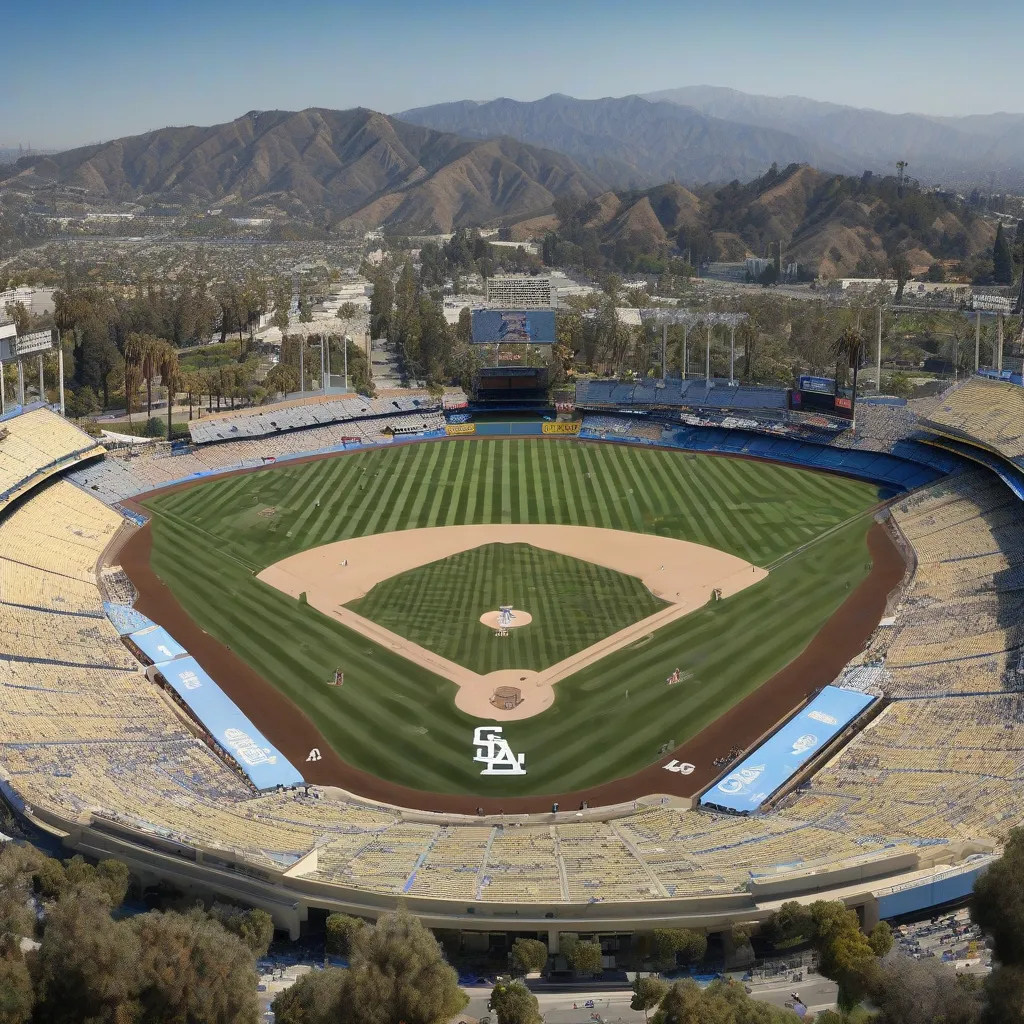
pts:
[677, 571]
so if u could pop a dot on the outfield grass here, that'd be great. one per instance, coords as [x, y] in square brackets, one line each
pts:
[573, 603]
[398, 721]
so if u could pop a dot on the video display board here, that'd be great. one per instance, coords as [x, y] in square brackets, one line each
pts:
[513, 326]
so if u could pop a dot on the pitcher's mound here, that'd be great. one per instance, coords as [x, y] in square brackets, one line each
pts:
[519, 618]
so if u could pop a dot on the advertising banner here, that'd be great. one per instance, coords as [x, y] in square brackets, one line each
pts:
[560, 428]
[782, 755]
[459, 429]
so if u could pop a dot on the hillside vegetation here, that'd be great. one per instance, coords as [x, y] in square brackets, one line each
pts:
[833, 225]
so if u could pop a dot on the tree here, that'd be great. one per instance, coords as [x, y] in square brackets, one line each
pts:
[320, 997]
[673, 944]
[844, 953]
[789, 924]
[998, 904]
[847, 350]
[1004, 995]
[22, 318]
[529, 955]
[901, 273]
[254, 927]
[341, 931]
[584, 957]
[136, 349]
[16, 996]
[87, 966]
[282, 379]
[648, 991]
[1002, 258]
[513, 1003]
[82, 402]
[191, 969]
[170, 375]
[908, 991]
[399, 974]
[347, 311]
[382, 306]
[880, 939]
[464, 328]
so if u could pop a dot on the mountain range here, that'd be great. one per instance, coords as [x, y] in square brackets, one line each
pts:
[464, 164]
[351, 169]
[705, 133]
[633, 142]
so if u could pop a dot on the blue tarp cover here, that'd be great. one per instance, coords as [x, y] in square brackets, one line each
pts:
[783, 754]
[265, 766]
[125, 619]
[157, 644]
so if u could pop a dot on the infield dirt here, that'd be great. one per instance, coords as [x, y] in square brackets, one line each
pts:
[679, 572]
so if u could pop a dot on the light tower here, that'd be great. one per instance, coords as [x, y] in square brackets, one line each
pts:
[19, 348]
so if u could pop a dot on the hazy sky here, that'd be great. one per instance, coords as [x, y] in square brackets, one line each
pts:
[77, 72]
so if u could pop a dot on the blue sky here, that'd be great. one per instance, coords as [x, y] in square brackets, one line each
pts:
[84, 72]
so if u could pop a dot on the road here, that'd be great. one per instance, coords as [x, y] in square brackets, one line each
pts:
[613, 1007]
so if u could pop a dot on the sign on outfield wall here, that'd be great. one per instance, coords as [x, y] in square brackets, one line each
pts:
[560, 428]
[458, 429]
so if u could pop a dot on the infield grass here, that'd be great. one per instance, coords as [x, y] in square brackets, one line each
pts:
[573, 603]
[397, 720]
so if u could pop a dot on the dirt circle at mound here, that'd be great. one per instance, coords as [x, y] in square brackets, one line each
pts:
[519, 618]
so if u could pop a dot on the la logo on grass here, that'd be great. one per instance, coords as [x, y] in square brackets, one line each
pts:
[492, 749]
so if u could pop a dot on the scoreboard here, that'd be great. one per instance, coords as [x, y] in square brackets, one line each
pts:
[819, 394]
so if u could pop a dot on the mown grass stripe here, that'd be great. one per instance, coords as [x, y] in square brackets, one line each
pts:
[754, 509]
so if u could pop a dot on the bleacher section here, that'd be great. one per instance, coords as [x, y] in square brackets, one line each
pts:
[86, 737]
[985, 412]
[35, 444]
[301, 417]
[676, 394]
[130, 471]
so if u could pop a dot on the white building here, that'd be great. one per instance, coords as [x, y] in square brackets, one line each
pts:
[36, 300]
[521, 291]
[533, 248]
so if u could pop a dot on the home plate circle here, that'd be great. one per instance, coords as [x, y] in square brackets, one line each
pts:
[493, 620]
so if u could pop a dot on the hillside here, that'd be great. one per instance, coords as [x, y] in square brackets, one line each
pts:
[832, 225]
[353, 168]
[631, 142]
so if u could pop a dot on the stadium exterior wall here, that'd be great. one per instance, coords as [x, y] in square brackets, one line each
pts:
[288, 896]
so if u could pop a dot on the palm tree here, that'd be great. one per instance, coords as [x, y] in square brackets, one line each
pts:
[170, 375]
[135, 347]
[847, 349]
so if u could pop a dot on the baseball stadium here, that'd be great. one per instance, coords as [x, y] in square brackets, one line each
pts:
[669, 655]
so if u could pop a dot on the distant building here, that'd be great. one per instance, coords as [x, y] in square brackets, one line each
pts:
[521, 291]
[533, 248]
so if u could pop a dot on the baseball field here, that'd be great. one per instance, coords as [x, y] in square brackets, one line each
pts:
[396, 720]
